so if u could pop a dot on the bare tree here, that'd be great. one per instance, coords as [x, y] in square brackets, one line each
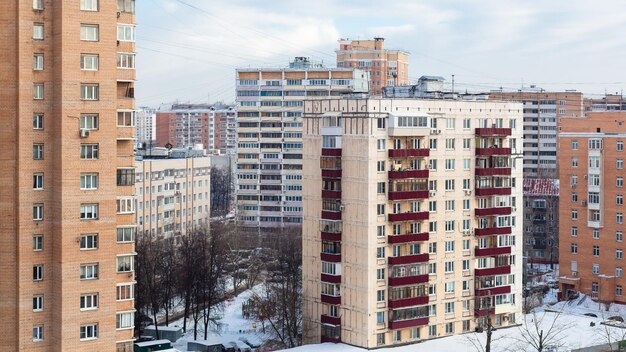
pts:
[187, 257]
[221, 192]
[613, 332]
[541, 330]
[169, 277]
[149, 267]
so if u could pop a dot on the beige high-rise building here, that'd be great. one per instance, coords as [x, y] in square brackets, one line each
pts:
[412, 218]
[67, 224]
[387, 67]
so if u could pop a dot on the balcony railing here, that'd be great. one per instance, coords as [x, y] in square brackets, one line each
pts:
[401, 153]
[403, 195]
[495, 171]
[331, 215]
[489, 231]
[412, 237]
[408, 280]
[331, 236]
[331, 194]
[331, 257]
[483, 192]
[493, 211]
[331, 299]
[484, 312]
[327, 319]
[408, 259]
[493, 131]
[331, 173]
[335, 279]
[493, 151]
[329, 339]
[484, 252]
[331, 151]
[493, 291]
[395, 175]
[408, 302]
[417, 216]
[498, 270]
[408, 323]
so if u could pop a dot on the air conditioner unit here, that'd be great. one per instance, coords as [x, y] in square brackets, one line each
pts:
[342, 207]
[466, 232]
[438, 131]
[574, 273]
[84, 133]
[514, 209]
[583, 203]
[432, 193]
[585, 177]
[433, 131]
[468, 192]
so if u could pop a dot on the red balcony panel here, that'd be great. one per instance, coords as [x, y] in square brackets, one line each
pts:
[484, 312]
[331, 151]
[493, 211]
[331, 299]
[332, 237]
[328, 257]
[483, 192]
[408, 302]
[329, 339]
[493, 151]
[499, 270]
[335, 279]
[488, 231]
[493, 131]
[483, 252]
[408, 323]
[408, 259]
[401, 153]
[395, 175]
[408, 280]
[327, 319]
[494, 171]
[331, 194]
[413, 237]
[417, 216]
[331, 173]
[493, 291]
[331, 215]
[408, 195]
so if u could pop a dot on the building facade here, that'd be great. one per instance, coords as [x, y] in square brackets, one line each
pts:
[188, 125]
[144, 125]
[609, 102]
[591, 217]
[173, 192]
[412, 219]
[269, 136]
[386, 67]
[67, 228]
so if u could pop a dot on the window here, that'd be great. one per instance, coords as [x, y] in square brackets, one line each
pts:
[89, 301]
[38, 212]
[380, 209]
[466, 264]
[38, 181]
[38, 333]
[449, 267]
[89, 91]
[125, 291]
[37, 4]
[449, 164]
[125, 33]
[432, 330]
[88, 181]
[38, 31]
[38, 121]
[619, 181]
[618, 253]
[88, 332]
[380, 339]
[449, 185]
[380, 274]
[89, 62]
[37, 243]
[89, 271]
[38, 62]
[450, 143]
[620, 146]
[574, 161]
[618, 290]
[620, 164]
[596, 251]
[380, 166]
[380, 317]
[37, 303]
[89, 241]
[89, 121]
[574, 248]
[449, 328]
[126, 6]
[126, 60]
[449, 224]
[618, 271]
[89, 211]
[38, 91]
[619, 218]
[380, 187]
[89, 32]
[618, 236]
[380, 230]
[125, 263]
[125, 234]
[595, 269]
[619, 199]
[574, 214]
[449, 287]
[432, 268]
[381, 144]
[89, 5]
[125, 320]
[380, 252]
[38, 272]
[380, 295]
[89, 151]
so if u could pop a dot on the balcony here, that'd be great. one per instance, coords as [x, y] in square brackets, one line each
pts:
[408, 302]
[403, 195]
[331, 151]
[331, 215]
[335, 279]
[408, 280]
[489, 231]
[331, 237]
[329, 339]
[331, 194]
[484, 192]
[412, 237]
[493, 131]
[331, 299]
[484, 252]
[484, 312]
[417, 216]
[492, 151]
[493, 291]
[331, 257]
[331, 173]
[402, 153]
[408, 323]
[395, 175]
[493, 211]
[495, 171]
[408, 259]
[498, 270]
[327, 319]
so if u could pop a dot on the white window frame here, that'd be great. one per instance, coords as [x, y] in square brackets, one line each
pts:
[89, 32]
[89, 181]
[125, 320]
[124, 289]
[121, 259]
[38, 181]
[89, 332]
[125, 205]
[127, 117]
[89, 62]
[125, 32]
[90, 91]
[38, 62]
[38, 5]
[89, 5]
[89, 211]
[89, 122]
[88, 241]
[38, 31]
[124, 238]
[89, 151]
[38, 91]
[38, 212]
[127, 61]
[89, 301]
[89, 271]
[37, 333]
[38, 303]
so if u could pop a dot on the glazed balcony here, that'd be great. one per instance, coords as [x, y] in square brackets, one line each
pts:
[331, 173]
[492, 151]
[408, 323]
[493, 211]
[484, 312]
[405, 195]
[403, 153]
[331, 194]
[487, 252]
[498, 270]
[331, 257]
[331, 215]
[408, 302]
[408, 259]
[331, 236]
[395, 175]
[331, 299]
[416, 216]
[335, 279]
[489, 231]
[484, 192]
[493, 131]
[408, 280]
[331, 151]
[327, 319]
[411, 237]
[493, 291]
[329, 339]
[495, 171]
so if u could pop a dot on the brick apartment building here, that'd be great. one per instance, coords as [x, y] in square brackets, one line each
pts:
[67, 229]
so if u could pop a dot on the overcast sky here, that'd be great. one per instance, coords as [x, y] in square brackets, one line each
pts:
[188, 49]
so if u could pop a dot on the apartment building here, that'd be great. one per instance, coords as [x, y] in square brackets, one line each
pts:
[269, 135]
[412, 218]
[144, 125]
[173, 190]
[591, 215]
[387, 67]
[66, 244]
[609, 102]
[186, 125]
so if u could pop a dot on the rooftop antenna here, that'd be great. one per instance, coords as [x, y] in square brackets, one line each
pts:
[453, 84]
